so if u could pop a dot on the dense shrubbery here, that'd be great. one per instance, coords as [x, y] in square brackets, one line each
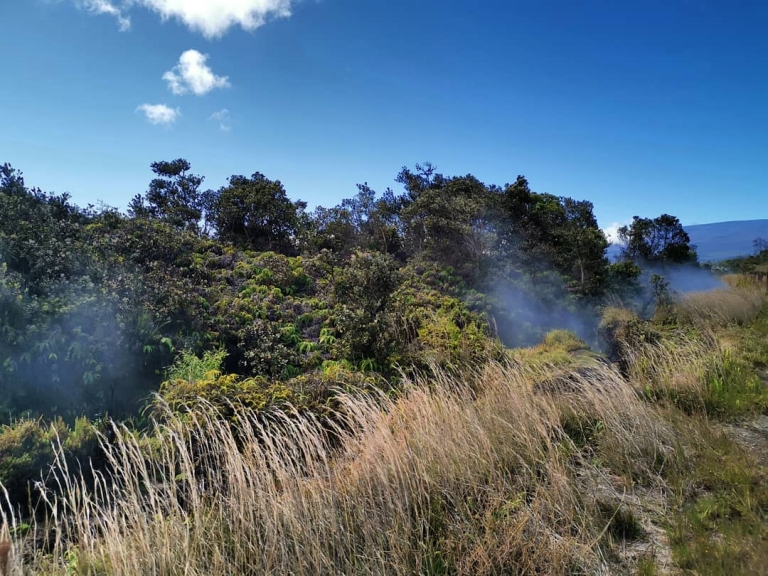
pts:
[95, 305]
[264, 304]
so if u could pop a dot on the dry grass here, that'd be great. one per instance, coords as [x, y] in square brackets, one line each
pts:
[715, 308]
[743, 281]
[478, 477]
[5, 551]
[696, 365]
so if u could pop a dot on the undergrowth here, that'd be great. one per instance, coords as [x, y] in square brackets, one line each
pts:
[721, 498]
[548, 461]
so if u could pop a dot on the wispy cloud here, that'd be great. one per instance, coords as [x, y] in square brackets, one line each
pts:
[211, 18]
[159, 113]
[612, 231]
[192, 74]
[223, 118]
[110, 8]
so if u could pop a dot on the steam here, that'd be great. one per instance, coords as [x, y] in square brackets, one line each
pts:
[525, 308]
[684, 279]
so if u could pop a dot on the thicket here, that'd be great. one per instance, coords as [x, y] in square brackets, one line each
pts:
[96, 304]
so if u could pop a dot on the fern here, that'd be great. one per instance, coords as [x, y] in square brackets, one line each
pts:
[327, 337]
[307, 347]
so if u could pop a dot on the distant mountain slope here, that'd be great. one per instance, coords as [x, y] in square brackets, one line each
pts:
[726, 239]
[721, 240]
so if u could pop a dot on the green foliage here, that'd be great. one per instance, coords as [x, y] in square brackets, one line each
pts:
[733, 388]
[623, 280]
[720, 525]
[448, 340]
[621, 330]
[661, 297]
[564, 339]
[173, 196]
[256, 213]
[543, 232]
[661, 239]
[28, 449]
[225, 391]
[748, 264]
[190, 368]
[363, 291]
[94, 305]
[447, 223]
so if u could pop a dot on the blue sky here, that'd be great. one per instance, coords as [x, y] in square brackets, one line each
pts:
[640, 107]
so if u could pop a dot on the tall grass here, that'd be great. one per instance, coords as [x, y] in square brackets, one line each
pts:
[715, 308]
[477, 476]
[695, 365]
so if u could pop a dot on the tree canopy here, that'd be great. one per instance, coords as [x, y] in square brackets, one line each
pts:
[174, 196]
[658, 240]
[256, 213]
[96, 304]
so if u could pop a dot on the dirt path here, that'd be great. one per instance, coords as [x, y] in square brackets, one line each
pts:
[752, 435]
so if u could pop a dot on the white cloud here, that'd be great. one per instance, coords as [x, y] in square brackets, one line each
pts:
[212, 18]
[612, 231]
[193, 75]
[159, 113]
[222, 117]
[107, 7]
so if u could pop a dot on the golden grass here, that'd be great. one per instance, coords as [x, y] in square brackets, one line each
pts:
[6, 548]
[482, 476]
[715, 308]
[743, 281]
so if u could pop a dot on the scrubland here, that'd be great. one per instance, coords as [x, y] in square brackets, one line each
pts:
[549, 460]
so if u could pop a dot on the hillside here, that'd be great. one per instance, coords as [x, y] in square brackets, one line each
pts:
[723, 240]
[218, 382]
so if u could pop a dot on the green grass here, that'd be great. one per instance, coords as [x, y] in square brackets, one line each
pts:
[646, 566]
[721, 522]
[621, 521]
[752, 342]
[734, 389]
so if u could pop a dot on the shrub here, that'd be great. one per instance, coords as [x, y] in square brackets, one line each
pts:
[225, 393]
[190, 368]
[564, 339]
[28, 452]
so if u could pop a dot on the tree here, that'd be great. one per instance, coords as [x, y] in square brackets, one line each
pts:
[11, 181]
[375, 220]
[662, 240]
[542, 232]
[364, 291]
[174, 196]
[257, 214]
[332, 229]
[584, 247]
[40, 233]
[446, 220]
